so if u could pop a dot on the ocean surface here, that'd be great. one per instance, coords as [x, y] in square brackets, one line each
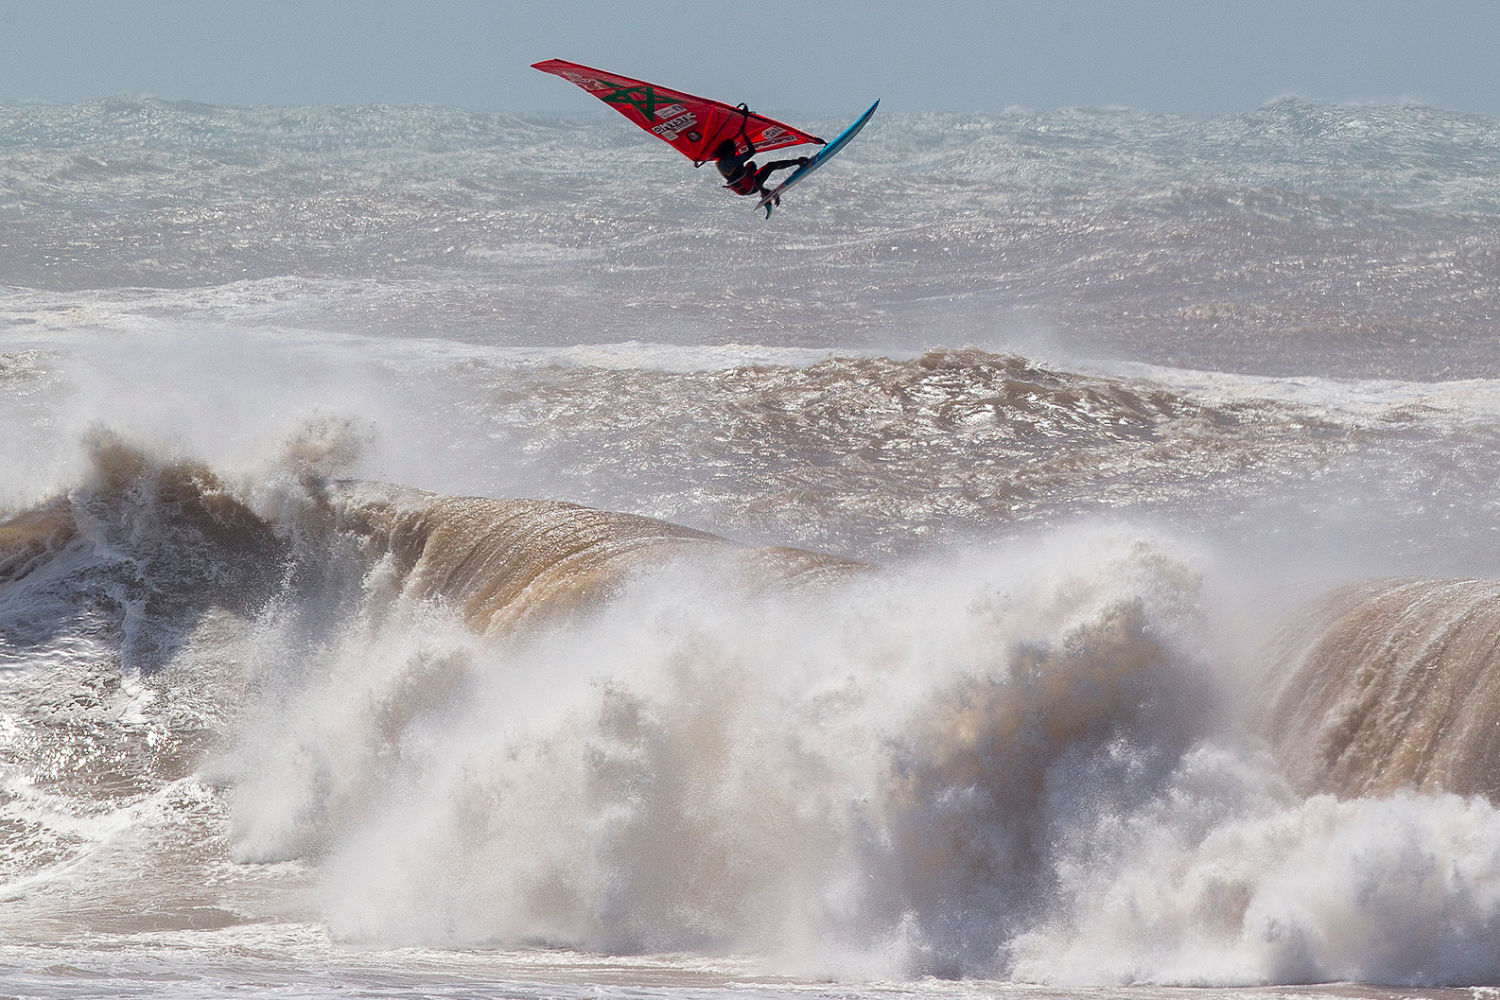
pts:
[448, 554]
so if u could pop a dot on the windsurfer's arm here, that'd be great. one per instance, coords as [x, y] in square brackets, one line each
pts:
[745, 130]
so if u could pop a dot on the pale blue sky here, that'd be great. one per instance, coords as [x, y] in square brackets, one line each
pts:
[815, 55]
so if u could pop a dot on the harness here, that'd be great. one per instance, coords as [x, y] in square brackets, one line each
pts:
[743, 182]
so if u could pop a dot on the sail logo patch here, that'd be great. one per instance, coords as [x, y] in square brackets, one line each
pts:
[672, 129]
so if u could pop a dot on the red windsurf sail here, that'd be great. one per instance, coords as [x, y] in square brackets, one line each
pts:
[694, 126]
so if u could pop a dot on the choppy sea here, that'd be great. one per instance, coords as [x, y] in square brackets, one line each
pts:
[447, 554]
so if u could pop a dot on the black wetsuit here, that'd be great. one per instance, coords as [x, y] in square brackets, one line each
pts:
[744, 177]
[741, 175]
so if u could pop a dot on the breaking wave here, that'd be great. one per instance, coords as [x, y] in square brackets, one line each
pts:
[471, 722]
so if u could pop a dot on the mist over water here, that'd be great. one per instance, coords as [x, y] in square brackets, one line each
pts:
[444, 552]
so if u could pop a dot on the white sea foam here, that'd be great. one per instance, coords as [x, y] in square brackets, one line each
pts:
[1028, 741]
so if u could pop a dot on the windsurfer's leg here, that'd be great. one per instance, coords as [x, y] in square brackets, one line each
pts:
[765, 171]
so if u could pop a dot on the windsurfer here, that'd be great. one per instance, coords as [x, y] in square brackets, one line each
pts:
[741, 174]
[697, 127]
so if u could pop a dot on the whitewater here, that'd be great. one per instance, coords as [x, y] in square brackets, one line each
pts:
[452, 554]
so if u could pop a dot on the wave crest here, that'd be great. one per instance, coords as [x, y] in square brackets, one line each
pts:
[1389, 684]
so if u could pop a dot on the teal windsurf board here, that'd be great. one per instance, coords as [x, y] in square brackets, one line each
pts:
[824, 155]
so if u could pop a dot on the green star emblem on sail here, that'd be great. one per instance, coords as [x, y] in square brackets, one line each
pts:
[640, 96]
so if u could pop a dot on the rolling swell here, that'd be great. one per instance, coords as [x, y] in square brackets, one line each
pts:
[879, 456]
[502, 563]
[147, 545]
[1391, 684]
